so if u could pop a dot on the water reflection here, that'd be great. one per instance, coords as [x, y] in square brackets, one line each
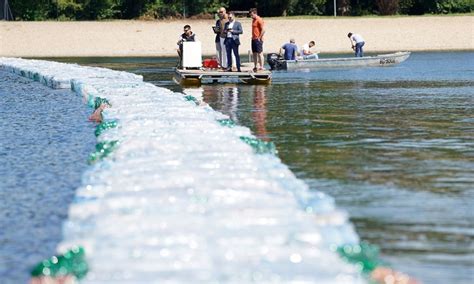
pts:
[259, 114]
[229, 100]
[45, 142]
[392, 145]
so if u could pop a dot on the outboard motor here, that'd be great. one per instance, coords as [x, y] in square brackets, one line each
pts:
[275, 61]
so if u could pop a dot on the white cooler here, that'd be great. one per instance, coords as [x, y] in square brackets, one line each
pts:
[192, 55]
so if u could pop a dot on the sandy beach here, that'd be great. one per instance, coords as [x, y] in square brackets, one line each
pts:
[158, 38]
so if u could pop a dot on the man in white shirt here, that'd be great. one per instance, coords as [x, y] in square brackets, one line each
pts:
[306, 52]
[357, 43]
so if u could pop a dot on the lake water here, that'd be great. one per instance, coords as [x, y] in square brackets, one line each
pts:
[394, 146]
[44, 145]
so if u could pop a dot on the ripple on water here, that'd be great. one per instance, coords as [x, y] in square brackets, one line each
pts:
[392, 145]
[46, 139]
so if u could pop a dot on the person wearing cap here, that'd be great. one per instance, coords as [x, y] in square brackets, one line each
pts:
[290, 49]
[357, 43]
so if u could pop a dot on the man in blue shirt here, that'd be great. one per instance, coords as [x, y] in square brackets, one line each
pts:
[290, 50]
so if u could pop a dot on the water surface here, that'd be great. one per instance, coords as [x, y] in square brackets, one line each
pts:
[394, 146]
[44, 145]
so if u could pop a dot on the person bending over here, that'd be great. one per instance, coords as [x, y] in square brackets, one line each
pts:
[357, 43]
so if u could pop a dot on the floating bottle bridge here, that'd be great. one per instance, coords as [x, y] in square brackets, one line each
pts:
[177, 193]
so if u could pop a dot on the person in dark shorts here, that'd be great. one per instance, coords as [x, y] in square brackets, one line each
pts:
[258, 31]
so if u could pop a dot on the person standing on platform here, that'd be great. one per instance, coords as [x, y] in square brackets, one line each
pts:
[258, 31]
[232, 41]
[357, 43]
[220, 37]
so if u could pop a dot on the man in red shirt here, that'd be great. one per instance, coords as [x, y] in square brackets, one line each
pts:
[257, 39]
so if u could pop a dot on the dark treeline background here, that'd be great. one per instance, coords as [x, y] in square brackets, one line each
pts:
[156, 9]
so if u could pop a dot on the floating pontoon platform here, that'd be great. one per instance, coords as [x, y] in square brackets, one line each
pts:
[199, 76]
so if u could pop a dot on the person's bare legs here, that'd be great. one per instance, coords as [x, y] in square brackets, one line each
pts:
[255, 60]
[260, 60]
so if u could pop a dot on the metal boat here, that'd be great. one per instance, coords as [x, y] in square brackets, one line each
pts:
[278, 63]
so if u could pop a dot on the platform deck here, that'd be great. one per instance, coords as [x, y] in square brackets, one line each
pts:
[214, 75]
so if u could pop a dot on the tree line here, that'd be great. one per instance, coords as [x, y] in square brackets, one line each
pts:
[157, 9]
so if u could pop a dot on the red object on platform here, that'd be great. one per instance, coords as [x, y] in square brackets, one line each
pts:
[210, 63]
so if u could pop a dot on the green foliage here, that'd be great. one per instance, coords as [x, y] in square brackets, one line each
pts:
[307, 7]
[405, 6]
[343, 7]
[452, 6]
[101, 9]
[362, 7]
[387, 7]
[198, 7]
[68, 9]
[37, 10]
[30, 10]
[178, 8]
[132, 8]
[272, 7]
[163, 9]
[419, 7]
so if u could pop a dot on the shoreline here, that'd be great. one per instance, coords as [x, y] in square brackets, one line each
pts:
[119, 38]
[242, 56]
